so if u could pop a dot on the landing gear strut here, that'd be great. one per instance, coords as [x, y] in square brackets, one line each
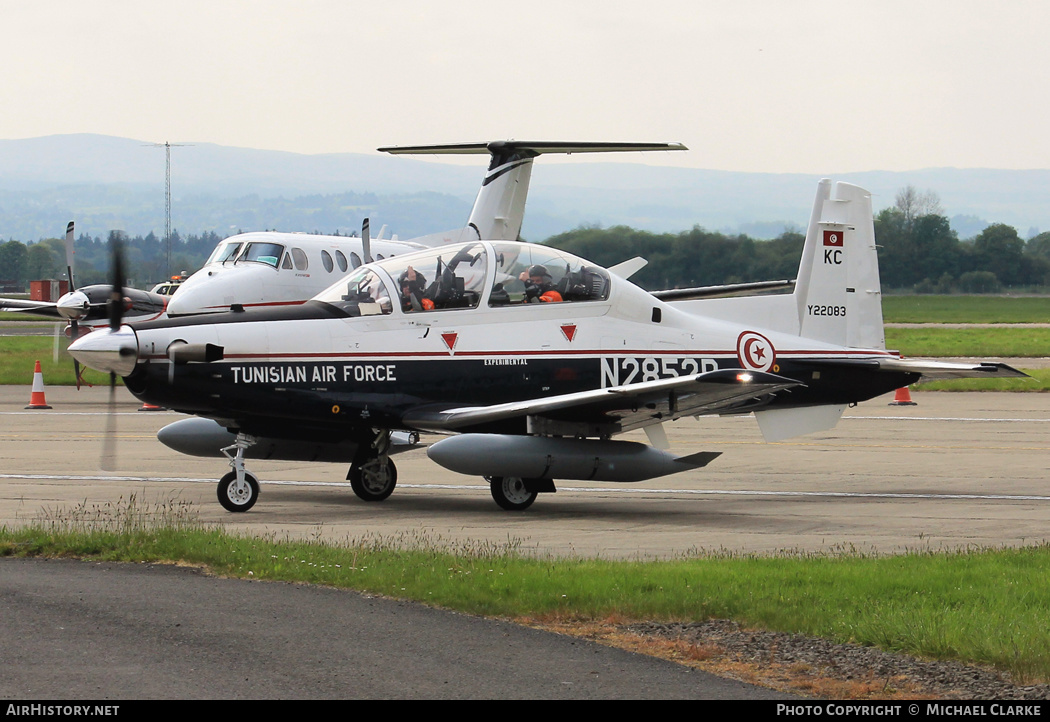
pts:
[238, 490]
[373, 475]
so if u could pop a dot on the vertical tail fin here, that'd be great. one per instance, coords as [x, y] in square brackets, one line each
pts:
[837, 292]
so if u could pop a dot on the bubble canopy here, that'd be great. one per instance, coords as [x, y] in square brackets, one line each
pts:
[466, 276]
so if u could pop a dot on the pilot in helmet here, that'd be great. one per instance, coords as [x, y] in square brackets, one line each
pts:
[413, 284]
[539, 287]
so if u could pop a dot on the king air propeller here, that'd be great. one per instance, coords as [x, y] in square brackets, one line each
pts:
[73, 305]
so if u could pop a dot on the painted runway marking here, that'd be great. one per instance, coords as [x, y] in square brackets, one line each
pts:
[741, 418]
[943, 418]
[601, 490]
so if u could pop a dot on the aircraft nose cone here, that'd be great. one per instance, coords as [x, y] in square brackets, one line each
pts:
[194, 298]
[72, 305]
[107, 351]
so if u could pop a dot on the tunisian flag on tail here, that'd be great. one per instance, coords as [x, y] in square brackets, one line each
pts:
[833, 238]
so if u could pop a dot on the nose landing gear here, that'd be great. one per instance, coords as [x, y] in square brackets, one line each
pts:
[238, 490]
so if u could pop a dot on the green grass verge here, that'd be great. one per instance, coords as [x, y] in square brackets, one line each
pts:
[987, 607]
[966, 309]
[19, 354]
[975, 342]
[1039, 382]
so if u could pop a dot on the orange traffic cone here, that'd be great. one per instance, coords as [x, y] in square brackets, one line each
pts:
[902, 398]
[36, 398]
[150, 407]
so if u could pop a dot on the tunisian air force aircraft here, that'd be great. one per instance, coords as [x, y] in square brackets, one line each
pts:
[529, 358]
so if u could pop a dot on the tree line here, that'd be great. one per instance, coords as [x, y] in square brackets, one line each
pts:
[146, 258]
[918, 252]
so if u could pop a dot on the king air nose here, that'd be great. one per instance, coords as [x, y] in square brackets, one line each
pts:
[107, 351]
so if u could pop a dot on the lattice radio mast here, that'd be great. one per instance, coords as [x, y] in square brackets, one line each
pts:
[167, 201]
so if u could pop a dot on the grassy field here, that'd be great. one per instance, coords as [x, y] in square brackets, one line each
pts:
[934, 342]
[966, 309]
[18, 356]
[987, 607]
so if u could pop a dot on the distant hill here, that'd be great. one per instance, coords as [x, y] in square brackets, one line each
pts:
[104, 183]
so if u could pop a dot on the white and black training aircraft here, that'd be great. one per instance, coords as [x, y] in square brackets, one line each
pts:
[531, 359]
[267, 269]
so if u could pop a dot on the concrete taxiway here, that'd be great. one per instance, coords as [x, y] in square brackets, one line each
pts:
[956, 470]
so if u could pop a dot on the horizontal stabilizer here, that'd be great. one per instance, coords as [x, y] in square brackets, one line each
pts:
[930, 370]
[538, 147]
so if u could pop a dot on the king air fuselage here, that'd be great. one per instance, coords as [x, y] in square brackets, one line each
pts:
[270, 269]
[360, 356]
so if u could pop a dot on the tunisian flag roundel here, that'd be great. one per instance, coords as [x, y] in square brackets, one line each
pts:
[833, 238]
[755, 352]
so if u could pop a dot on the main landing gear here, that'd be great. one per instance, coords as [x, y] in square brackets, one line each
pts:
[511, 492]
[373, 475]
[238, 490]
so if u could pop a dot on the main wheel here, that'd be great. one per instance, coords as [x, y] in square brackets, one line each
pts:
[373, 480]
[234, 497]
[510, 493]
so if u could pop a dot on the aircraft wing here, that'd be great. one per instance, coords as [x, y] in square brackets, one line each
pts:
[40, 308]
[629, 407]
[930, 370]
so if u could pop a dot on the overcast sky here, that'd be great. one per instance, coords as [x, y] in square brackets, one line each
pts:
[760, 85]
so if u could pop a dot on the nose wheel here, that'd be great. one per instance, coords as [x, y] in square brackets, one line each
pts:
[238, 490]
[237, 495]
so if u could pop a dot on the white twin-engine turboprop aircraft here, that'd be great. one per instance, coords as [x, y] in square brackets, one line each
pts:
[278, 269]
[530, 358]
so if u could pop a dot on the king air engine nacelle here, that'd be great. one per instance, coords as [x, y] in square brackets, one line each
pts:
[538, 457]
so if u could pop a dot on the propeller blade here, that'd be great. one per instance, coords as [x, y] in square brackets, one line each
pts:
[116, 293]
[366, 242]
[70, 254]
